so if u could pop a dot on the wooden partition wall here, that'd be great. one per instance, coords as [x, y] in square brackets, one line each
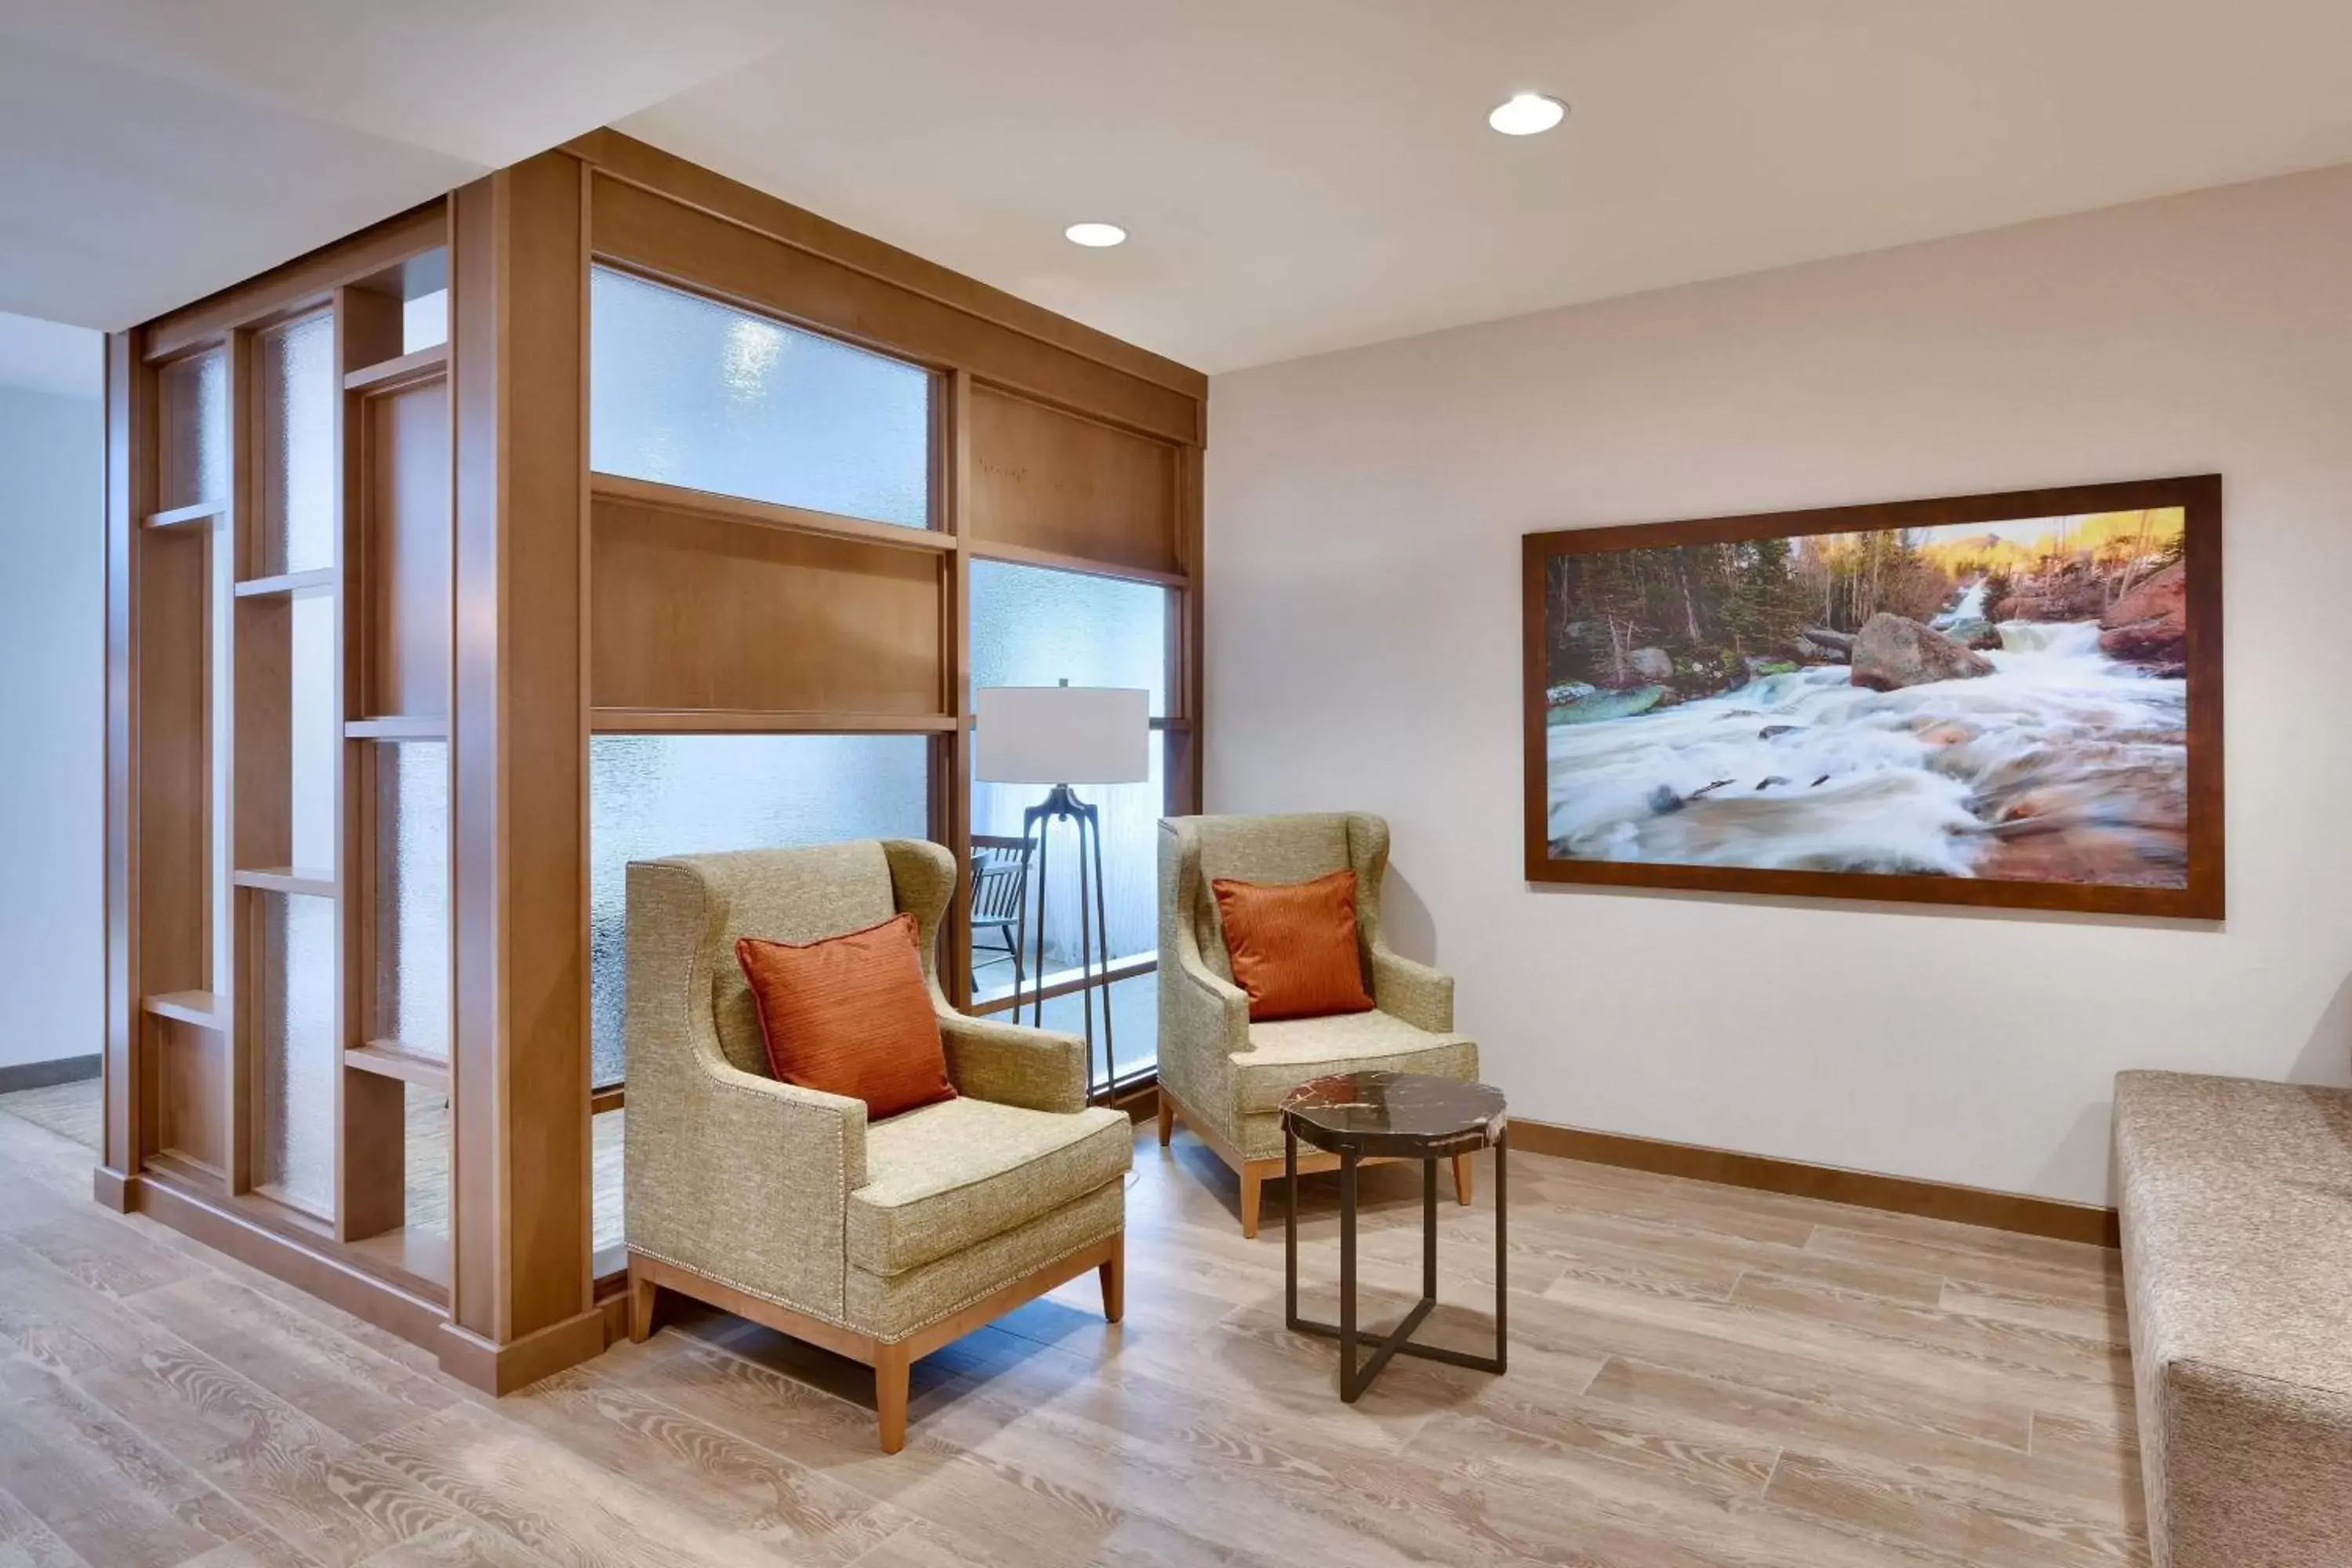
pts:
[369, 602]
[280, 621]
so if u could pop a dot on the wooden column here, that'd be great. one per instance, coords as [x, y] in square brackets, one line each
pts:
[1182, 754]
[129, 433]
[521, 1202]
[951, 801]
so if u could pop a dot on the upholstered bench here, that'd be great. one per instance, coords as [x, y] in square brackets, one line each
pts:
[2237, 1237]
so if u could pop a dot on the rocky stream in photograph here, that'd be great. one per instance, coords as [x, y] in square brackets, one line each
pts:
[2005, 701]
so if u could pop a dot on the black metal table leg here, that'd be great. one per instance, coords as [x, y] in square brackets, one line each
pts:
[1289, 1226]
[1355, 1379]
[1324, 1107]
[1350, 1387]
[1429, 1228]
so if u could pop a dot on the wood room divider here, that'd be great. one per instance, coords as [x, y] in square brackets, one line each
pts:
[368, 605]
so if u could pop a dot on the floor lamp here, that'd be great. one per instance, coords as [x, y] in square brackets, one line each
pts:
[1060, 736]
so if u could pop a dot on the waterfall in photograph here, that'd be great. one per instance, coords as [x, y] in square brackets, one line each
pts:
[1805, 771]
[2005, 701]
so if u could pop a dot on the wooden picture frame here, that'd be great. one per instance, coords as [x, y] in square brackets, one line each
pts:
[2147, 865]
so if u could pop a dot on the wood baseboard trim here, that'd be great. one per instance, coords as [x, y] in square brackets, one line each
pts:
[2020, 1212]
[113, 1190]
[223, 1229]
[615, 1304]
[501, 1369]
[43, 1075]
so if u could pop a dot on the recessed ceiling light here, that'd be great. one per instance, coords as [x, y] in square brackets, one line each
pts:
[1525, 113]
[1097, 235]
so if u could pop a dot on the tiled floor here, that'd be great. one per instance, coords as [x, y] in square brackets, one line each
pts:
[1699, 1375]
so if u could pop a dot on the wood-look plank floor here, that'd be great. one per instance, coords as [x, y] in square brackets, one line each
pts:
[1699, 1375]
[71, 1111]
[68, 1110]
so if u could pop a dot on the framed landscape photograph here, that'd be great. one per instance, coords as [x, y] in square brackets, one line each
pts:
[1996, 700]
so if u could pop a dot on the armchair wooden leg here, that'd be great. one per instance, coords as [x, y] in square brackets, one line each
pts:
[1462, 1169]
[641, 1292]
[1113, 1270]
[1251, 1178]
[1167, 1117]
[891, 1366]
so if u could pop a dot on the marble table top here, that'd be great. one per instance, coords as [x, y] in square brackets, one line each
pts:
[1405, 1114]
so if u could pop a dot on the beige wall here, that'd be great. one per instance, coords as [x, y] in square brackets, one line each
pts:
[1364, 512]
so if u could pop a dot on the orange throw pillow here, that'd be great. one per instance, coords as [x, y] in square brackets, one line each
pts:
[851, 1016]
[1294, 946]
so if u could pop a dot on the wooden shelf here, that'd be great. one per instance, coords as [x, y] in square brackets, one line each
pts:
[390, 1058]
[416, 1260]
[271, 1206]
[313, 883]
[201, 1174]
[204, 1009]
[288, 583]
[656, 497]
[399, 727]
[203, 511]
[741, 720]
[405, 369]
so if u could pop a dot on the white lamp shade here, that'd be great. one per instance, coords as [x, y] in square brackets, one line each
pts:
[1062, 735]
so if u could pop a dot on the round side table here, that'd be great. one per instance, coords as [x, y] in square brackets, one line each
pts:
[1364, 1116]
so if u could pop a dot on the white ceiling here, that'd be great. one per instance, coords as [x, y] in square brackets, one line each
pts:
[157, 150]
[1299, 175]
[1306, 175]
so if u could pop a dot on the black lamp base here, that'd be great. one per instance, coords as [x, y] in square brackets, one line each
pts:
[1061, 804]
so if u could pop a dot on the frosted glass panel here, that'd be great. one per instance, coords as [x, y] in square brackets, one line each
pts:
[311, 718]
[412, 891]
[294, 1050]
[651, 795]
[196, 430]
[692, 392]
[220, 686]
[298, 389]
[1032, 625]
[1131, 863]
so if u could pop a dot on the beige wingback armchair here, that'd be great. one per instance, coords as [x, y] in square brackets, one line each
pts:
[1225, 1076]
[880, 1240]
